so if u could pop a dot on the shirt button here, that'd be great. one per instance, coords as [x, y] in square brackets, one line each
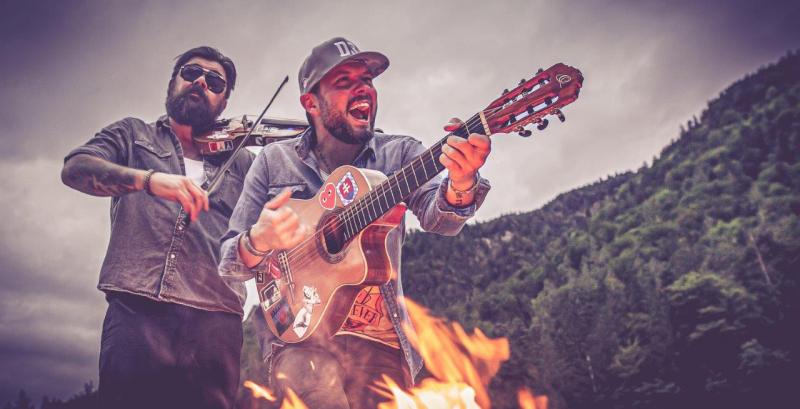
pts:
[180, 227]
[172, 255]
[394, 315]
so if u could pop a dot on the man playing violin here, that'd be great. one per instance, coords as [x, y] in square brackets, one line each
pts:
[172, 334]
[337, 93]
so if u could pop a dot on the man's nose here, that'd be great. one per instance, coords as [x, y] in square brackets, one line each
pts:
[202, 81]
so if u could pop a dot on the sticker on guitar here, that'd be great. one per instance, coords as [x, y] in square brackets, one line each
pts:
[303, 319]
[327, 198]
[347, 189]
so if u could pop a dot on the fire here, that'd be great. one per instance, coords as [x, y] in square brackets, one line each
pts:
[461, 364]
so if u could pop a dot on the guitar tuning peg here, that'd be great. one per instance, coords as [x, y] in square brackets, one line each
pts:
[512, 118]
[542, 124]
[505, 91]
[548, 101]
[522, 81]
[560, 115]
[525, 133]
[530, 109]
[539, 71]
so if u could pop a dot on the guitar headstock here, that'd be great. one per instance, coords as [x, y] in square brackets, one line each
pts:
[533, 100]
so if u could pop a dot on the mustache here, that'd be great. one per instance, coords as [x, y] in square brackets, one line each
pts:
[359, 98]
[197, 90]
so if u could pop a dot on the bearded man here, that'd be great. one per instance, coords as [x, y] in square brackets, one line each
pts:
[340, 101]
[172, 334]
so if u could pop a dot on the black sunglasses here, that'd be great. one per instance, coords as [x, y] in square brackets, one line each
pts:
[215, 82]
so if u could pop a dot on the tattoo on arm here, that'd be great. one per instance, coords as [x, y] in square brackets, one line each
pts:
[99, 177]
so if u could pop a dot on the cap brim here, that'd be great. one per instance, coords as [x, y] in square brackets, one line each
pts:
[376, 62]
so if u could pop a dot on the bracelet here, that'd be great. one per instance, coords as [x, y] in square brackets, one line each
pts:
[472, 188]
[248, 245]
[146, 181]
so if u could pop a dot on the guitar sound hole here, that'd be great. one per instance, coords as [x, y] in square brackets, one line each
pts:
[333, 234]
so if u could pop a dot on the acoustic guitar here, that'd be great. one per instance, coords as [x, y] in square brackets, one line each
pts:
[309, 290]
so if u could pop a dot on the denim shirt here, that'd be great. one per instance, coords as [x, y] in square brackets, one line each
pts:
[292, 164]
[152, 252]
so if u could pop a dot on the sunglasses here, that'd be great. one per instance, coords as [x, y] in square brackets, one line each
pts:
[215, 82]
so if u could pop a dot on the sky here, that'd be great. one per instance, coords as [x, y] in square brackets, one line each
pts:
[73, 67]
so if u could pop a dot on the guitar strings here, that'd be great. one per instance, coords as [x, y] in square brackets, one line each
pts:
[301, 251]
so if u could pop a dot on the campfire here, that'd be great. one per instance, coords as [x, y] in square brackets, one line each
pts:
[461, 366]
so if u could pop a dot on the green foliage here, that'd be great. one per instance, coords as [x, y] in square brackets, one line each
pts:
[673, 286]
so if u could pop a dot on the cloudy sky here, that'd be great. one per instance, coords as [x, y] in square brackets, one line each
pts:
[72, 67]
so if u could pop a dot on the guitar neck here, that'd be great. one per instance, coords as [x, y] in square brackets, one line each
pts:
[399, 186]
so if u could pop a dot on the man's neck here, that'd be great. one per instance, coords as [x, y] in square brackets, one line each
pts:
[335, 153]
[184, 134]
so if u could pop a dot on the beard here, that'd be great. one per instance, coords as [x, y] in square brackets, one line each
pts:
[336, 124]
[187, 111]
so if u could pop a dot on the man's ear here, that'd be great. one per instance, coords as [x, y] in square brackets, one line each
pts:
[309, 103]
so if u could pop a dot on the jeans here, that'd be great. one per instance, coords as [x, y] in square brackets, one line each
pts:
[164, 355]
[337, 375]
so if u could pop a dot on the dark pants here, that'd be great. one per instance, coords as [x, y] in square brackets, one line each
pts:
[164, 355]
[337, 375]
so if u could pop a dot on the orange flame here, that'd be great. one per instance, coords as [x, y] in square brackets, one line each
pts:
[453, 356]
[462, 365]
[528, 401]
[260, 392]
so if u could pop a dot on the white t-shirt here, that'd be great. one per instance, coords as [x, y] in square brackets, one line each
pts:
[194, 171]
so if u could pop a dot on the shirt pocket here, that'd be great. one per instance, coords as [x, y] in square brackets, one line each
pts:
[300, 190]
[148, 156]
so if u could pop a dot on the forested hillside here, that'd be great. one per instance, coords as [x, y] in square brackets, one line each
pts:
[674, 286]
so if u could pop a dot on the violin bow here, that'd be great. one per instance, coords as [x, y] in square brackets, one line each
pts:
[218, 177]
[225, 166]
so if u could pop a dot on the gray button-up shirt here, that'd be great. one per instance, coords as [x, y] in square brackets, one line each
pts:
[152, 252]
[292, 164]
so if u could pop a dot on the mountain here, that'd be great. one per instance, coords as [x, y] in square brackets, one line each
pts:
[672, 286]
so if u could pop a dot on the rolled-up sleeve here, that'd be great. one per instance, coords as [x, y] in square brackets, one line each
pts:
[109, 144]
[430, 206]
[245, 214]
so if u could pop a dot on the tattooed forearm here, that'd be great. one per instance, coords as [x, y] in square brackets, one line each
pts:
[98, 177]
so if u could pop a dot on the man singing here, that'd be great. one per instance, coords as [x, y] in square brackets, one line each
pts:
[340, 101]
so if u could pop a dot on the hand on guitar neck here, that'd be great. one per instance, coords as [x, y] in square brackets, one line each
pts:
[463, 157]
[277, 227]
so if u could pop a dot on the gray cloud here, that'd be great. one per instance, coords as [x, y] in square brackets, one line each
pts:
[72, 67]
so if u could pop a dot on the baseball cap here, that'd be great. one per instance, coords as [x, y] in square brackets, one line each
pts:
[332, 53]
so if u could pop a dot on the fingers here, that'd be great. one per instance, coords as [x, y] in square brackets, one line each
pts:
[187, 203]
[453, 125]
[279, 200]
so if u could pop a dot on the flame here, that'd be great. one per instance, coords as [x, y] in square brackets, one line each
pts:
[462, 366]
[453, 357]
[528, 401]
[260, 392]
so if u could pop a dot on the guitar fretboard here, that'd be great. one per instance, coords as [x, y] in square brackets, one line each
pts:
[400, 185]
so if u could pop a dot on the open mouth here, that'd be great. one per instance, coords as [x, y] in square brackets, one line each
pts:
[360, 110]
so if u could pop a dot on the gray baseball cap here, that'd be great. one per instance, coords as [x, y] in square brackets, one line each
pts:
[332, 53]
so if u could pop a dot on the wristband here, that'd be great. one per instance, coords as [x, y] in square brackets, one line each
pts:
[146, 181]
[472, 189]
[248, 245]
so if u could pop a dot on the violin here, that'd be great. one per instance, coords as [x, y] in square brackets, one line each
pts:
[227, 134]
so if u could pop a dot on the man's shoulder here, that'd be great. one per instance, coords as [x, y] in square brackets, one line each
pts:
[131, 126]
[383, 139]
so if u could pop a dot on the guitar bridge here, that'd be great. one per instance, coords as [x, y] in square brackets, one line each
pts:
[286, 274]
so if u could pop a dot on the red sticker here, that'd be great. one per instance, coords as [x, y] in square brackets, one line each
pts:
[327, 198]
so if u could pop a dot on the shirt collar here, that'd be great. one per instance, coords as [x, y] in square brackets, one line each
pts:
[308, 139]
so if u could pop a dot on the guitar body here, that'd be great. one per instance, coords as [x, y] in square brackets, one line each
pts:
[310, 289]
